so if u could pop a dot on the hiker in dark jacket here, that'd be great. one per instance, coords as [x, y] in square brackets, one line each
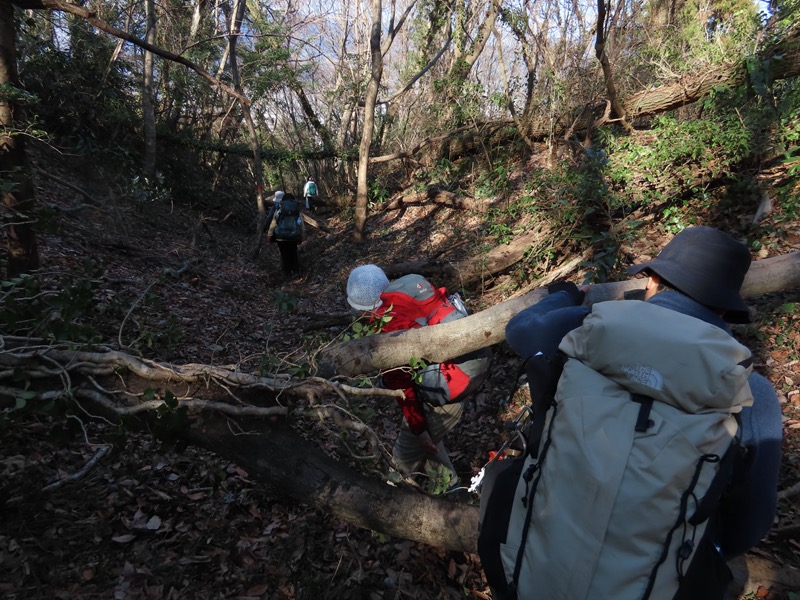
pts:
[290, 261]
[699, 274]
[419, 444]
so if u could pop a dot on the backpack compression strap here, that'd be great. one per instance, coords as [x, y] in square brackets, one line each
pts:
[543, 375]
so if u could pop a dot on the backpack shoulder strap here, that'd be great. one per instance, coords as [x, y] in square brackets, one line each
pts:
[733, 459]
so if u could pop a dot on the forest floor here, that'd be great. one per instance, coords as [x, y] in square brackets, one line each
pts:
[151, 521]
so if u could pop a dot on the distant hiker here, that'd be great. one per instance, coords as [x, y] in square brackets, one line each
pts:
[640, 486]
[286, 228]
[310, 193]
[431, 406]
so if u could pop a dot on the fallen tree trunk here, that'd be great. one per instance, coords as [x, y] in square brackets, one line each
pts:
[479, 269]
[435, 195]
[778, 61]
[299, 469]
[469, 271]
[781, 61]
[379, 352]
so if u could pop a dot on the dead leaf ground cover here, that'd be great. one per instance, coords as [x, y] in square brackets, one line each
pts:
[151, 520]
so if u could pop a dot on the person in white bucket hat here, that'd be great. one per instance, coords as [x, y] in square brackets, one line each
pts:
[419, 446]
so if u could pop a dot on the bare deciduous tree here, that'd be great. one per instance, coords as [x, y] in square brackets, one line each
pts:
[148, 108]
[16, 188]
[377, 52]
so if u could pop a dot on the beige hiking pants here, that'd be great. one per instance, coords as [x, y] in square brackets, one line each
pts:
[411, 456]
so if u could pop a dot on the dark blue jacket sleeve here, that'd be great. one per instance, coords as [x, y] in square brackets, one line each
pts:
[539, 328]
[747, 513]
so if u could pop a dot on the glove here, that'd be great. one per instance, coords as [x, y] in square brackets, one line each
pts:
[572, 289]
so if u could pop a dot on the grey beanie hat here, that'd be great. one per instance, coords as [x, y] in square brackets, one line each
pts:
[707, 265]
[365, 286]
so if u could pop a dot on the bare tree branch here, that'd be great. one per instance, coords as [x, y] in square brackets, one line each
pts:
[91, 17]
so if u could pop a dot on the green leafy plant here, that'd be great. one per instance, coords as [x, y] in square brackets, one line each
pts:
[443, 172]
[377, 194]
[63, 313]
[165, 336]
[604, 259]
[664, 165]
[269, 364]
[285, 301]
[502, 232]
[417, 365]
[360, 409]
[361, 329]
[439, 480]
[171, 416]
[301, 370]
[672, 219]
[494, 183]
[143, 189]
[381, 537]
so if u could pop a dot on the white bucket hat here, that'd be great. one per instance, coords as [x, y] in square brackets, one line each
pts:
[365, 286]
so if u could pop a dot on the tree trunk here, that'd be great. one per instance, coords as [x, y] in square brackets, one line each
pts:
[466, 55]
[369, 120]
[255, 143]
[617, 109]
[148, 110]
[17, 188]
[454, 274]
[308, 111]
[197, 19]
[781, 60]
[298, 469]
[434, 195]
[377, 51]
[448, 340]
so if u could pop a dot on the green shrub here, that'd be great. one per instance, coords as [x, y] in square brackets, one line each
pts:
[62, 312]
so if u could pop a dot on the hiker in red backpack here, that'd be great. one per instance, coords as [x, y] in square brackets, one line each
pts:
[432, 406]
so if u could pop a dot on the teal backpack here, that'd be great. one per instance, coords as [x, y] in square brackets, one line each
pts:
[288, 221]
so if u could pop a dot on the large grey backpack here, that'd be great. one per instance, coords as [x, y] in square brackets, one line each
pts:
[613, 501]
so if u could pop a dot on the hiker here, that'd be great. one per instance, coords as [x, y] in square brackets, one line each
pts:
[310, 193]
[698, 274]
[286, 229]
[433, 406]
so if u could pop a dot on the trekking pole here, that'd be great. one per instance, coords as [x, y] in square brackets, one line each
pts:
[527, 410]
[516, 427]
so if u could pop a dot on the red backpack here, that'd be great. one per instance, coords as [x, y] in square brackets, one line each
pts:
[413, 302]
